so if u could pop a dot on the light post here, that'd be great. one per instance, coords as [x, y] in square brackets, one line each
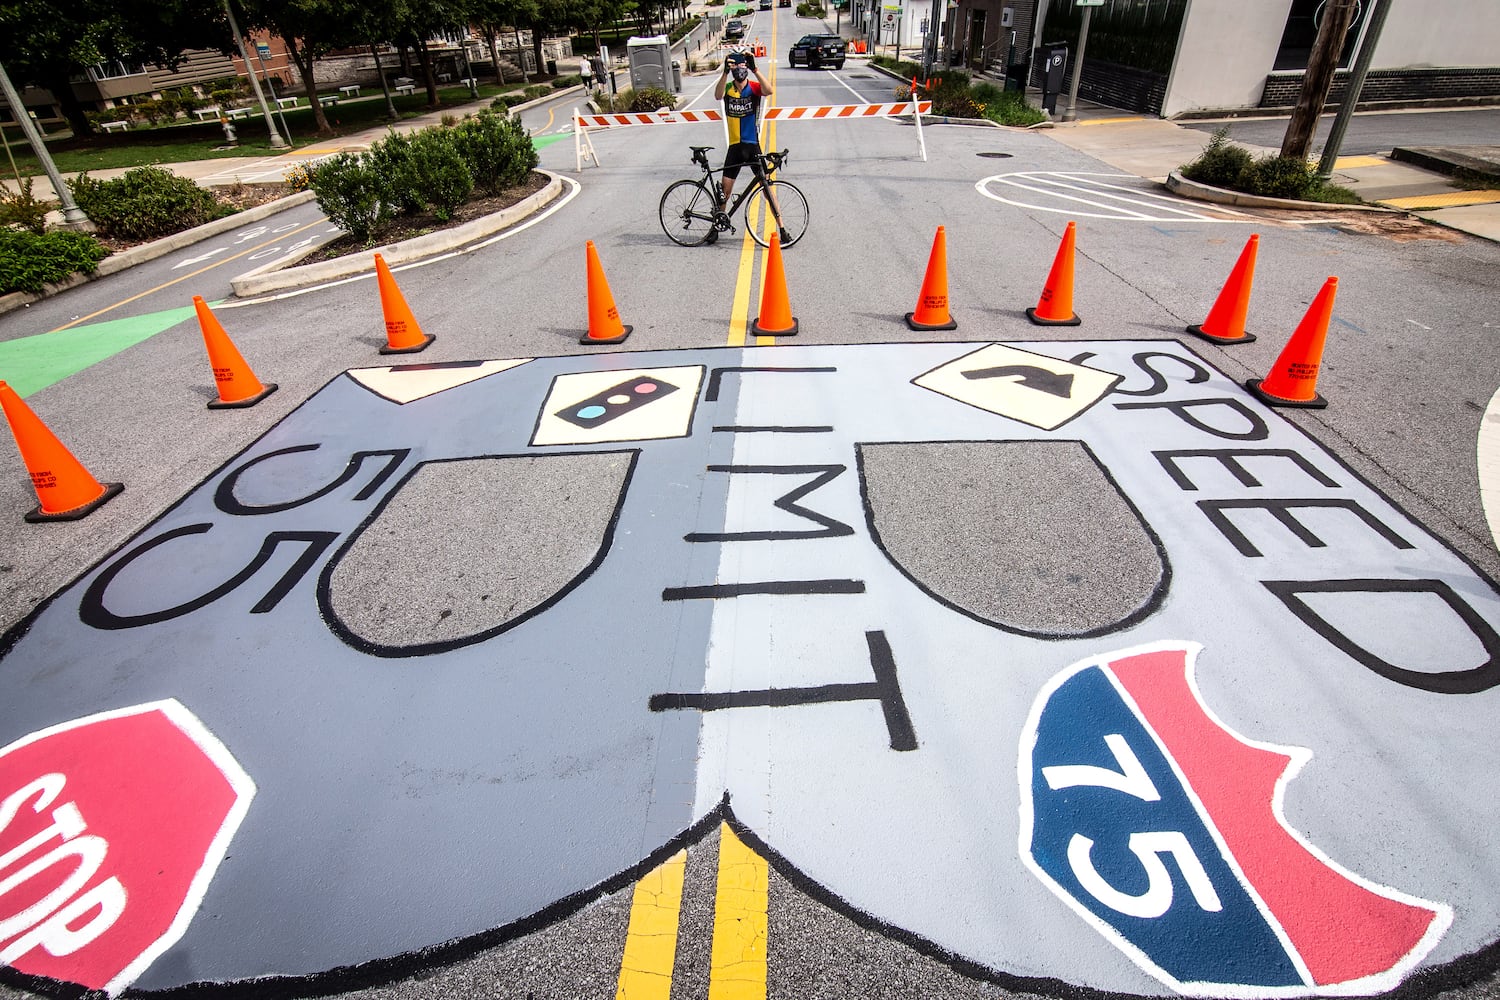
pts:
[73, 217]
[1340, 125]
[1083, 37]
[277, 142]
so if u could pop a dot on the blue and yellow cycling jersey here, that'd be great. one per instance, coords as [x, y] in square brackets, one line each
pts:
[742, 111]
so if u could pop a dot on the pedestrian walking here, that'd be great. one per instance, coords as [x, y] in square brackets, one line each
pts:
[587, 72]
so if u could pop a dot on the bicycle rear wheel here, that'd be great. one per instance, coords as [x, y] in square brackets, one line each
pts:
[760, 221]
[687, 213]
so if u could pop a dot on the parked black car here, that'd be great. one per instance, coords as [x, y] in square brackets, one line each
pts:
[817, 51]
[734, 30]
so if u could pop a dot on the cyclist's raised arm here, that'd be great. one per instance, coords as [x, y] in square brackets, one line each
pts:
[722, 82]
[765, 85]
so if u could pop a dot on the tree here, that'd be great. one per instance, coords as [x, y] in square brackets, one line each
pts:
[310, 29]
[47, 42]
[421, 21]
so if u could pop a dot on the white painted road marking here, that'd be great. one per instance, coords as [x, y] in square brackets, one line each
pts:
[1112, 201]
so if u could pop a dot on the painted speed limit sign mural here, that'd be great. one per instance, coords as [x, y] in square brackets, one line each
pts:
[1068, 660]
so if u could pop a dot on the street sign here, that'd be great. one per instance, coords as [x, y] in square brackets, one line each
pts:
[263, 50]
[1088, 3]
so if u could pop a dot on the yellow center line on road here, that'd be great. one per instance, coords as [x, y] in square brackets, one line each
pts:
[739, 321]
[737, 970]
[190, 274]
[651, 939]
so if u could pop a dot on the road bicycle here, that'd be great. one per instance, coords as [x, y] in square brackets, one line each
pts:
[693, 211]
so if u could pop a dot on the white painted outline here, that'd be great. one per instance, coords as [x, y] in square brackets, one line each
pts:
[1381, 982]
[1487, 450]
[240, 783]
[1057, 178]
[574, 189]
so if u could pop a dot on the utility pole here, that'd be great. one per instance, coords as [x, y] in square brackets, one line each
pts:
[73, 217]
[1337, 16]
[1373, 25]
[277, 142]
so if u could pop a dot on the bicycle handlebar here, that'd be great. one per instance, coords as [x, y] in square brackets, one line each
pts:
[775, 161]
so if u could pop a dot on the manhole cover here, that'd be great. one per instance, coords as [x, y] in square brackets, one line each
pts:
[996, 156]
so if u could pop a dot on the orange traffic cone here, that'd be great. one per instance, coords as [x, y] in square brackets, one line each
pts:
[64, 487]
[402, 334]
[1055, 307]
[237, 384]
[1293, 380]
[775, 308]
[604, 319]
[1226, 320]
[932, 304]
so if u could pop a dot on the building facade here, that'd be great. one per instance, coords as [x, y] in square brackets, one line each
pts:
[1184, 58]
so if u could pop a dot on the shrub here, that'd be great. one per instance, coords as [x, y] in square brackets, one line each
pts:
[353, 193]
[1278, 177]
[145, 203]
[1220, 163]
[564, 82]
[537, 90]
[1009, 107]
[497, 150]
[444, 177]
[394, 158]
[22, 208]
[647, 99]
[29, 261]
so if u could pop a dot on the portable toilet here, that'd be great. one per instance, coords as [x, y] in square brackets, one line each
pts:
[650, 62]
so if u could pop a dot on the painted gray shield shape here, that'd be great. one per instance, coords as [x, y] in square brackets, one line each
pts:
[743, 631]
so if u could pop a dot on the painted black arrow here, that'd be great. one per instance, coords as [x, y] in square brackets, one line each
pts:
[1032, 378]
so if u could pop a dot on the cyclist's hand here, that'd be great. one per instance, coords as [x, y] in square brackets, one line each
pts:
[750, 61]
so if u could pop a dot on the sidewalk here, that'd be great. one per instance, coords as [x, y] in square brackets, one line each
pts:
[1152, 148]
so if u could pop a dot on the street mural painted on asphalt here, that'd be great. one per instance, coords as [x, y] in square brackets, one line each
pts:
[1067, 661]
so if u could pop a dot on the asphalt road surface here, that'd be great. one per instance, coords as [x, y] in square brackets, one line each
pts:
[990, 661]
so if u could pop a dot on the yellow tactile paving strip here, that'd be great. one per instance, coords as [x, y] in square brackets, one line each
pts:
[1453, 199]
[1355, 162]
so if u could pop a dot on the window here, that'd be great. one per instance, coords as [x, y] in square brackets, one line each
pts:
[1302, 28]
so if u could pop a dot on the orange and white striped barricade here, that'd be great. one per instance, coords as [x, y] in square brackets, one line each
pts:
[582, 123]
[841, 111]
[583, 148]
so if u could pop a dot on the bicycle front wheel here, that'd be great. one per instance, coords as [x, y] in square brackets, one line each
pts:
[687, 213]
[761, 222]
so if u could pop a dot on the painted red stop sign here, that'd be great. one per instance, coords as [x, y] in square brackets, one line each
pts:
[111, 828]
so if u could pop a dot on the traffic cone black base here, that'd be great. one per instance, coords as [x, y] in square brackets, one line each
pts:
[427, 338]
[37, 515]
[760, 331]
[1040, 321]
[219, 404]
[1316, 403]
[586, 339]
[913, 324]
[1197, 331]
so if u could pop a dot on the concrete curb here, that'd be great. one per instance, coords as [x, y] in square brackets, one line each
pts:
[280, 276]
[115, 263]
[1178, 184]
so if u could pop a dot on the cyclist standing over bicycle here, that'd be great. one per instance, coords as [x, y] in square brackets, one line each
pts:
[741, 96]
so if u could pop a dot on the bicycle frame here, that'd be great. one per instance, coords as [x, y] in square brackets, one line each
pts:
[758, 180]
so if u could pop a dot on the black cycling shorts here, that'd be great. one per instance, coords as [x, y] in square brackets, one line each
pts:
[739, 154]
